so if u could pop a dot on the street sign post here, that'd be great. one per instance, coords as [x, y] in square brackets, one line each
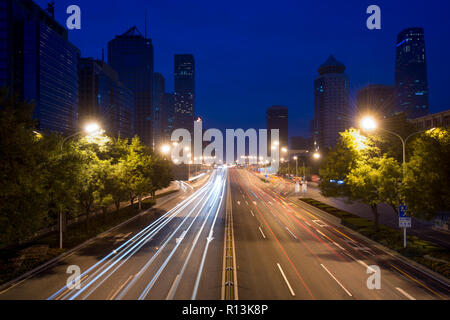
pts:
[304, 187]
[403, 221]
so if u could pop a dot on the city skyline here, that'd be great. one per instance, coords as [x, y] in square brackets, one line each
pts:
[289, 79]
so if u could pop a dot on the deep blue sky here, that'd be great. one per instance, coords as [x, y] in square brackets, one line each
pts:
[253, 54]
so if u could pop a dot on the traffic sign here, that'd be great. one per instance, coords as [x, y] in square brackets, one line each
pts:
[402, 210]
[404, 222]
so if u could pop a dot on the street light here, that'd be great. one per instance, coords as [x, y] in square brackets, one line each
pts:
[369, 124]
[90, 129]
[316, 155]
[165, 149]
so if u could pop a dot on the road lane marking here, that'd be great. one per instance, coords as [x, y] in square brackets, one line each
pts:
[360, 262]
[337, 245]
[120, 288]
[252, 213]
[262, 232]
[238, 202]
[417, 281]
[291, 233]
[171, 287]
[138, 240]
[410, 297]
[336, 280]
[320, 223]
[286, 280]
[246, 202]
[344, 235]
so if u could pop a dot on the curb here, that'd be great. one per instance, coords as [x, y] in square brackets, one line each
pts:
[432, 274]
[8, 285]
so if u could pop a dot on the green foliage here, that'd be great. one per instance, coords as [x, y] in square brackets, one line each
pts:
[368, 176]
[22, 192]
[427, 173]
[45, 174]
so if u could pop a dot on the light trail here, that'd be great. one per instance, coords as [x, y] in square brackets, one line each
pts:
[141, 235]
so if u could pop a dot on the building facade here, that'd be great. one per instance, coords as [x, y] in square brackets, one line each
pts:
[131, 55]
[168, 116]
[39, 64]
[158, 108]
[332, 109]
[440, 119]
[277, 117]
[184, 93]
[104, 99]
[376, 100]
[411, 81]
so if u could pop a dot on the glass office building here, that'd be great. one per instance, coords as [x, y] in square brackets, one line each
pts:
[411, 81]
[184, 94]
[131, 55]
[332, 108]
[104, 99]
[39, 64]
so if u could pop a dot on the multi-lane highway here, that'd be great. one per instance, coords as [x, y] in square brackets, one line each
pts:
[176, 256]
[285, 251]
[231, 238]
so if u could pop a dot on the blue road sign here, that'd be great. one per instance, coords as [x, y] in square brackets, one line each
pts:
[402, 210]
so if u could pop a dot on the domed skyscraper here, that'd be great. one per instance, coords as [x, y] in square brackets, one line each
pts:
[332, 110]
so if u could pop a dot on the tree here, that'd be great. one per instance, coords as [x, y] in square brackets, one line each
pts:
[375, 181]
[350, 149]
[22, 193]
[427, 174]
[366, 176]
[161, 174]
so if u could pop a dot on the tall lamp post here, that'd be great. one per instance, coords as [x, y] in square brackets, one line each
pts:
[369, 124]
[90, 129]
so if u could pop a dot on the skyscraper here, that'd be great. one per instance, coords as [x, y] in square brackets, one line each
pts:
[332, 110]
[158, 108]
[167, 116]
[376, 99]
[184, 94]
[277, 118]
[104, 99]
[39, 64]
[411, 81]
[131, 55]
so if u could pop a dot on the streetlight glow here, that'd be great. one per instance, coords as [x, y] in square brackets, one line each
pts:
[92, 128]
[316, 155]
[368, 123]
[165, 149]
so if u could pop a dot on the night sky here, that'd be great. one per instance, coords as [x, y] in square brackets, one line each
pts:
[253, 54]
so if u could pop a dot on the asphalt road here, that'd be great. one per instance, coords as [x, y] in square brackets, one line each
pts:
[233, 238]
[284, 251]
[175, 253]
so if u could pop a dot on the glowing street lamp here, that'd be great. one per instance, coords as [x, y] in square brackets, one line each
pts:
[316, 155]
[368, 123]
[92, 128]
[165, 149]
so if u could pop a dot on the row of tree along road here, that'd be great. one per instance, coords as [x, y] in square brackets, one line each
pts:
[368, 169]
[42, 177]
